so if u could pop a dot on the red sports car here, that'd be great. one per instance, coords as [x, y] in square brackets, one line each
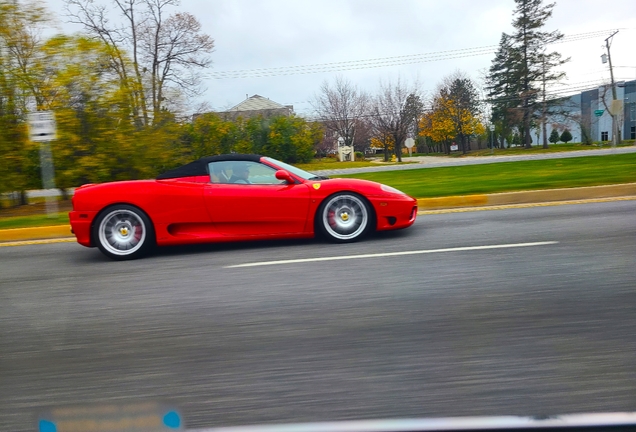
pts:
[228, 198]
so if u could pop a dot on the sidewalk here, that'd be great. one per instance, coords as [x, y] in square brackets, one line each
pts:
[483, 201]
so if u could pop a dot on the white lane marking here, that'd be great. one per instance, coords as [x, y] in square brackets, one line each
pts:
[391, 254]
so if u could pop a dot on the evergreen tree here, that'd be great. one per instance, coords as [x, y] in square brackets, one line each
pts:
[554, 136]
[502, 87]
[522, 68]
[566, 136]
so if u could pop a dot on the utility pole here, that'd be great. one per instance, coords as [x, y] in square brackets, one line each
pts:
[544, 127]
[615, 127]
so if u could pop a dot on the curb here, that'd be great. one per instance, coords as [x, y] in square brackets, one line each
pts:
[451, 202]
[35, 233]
[528, 197]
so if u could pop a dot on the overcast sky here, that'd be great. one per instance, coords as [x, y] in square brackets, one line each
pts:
[256, 34]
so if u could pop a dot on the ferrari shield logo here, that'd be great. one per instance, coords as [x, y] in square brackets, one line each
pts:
[316, 186]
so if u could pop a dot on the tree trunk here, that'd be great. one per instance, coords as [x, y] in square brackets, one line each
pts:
[527, 139]
[544, 131]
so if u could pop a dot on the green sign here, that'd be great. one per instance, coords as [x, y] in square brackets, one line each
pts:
[598, 113]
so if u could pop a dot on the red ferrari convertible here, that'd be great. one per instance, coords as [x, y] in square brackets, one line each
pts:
[228, 198]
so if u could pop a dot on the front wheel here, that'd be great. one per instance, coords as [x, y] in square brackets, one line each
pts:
[123, 232]
[344, 217]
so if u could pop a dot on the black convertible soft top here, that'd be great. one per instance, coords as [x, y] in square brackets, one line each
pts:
[200, 166]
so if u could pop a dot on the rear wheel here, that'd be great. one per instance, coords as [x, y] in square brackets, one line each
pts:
[344, 217]
[123, 232]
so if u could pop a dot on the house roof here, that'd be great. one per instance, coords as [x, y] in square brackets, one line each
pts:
[255, 103]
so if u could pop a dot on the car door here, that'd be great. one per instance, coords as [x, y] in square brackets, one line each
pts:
[258, 203]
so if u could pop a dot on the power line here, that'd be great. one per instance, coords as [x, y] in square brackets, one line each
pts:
[382, 61]
[558, 92]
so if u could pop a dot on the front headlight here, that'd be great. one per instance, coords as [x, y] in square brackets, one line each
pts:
[390, 189]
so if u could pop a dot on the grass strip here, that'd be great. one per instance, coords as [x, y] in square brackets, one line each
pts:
[34, 221]
[509, 176]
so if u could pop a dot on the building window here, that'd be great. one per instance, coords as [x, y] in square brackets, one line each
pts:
[633, 133]
[632, 111]
[604, 136]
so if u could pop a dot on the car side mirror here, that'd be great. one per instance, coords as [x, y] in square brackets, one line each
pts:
[284, 175]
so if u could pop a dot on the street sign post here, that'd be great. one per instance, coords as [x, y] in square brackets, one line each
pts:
[42, 126]
[409, 143]
[42, 129]
[598, 113]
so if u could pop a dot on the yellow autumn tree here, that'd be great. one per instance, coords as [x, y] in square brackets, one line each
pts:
[455, 113]
[384, 141]
[290, 139]
[74, 83]
[97, 139]
[20, 26]
[437, 124]
[459, 101]
[209, 135]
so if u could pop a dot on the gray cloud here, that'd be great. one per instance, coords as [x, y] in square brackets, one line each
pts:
[279, 33]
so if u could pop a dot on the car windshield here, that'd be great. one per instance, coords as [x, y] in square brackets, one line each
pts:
[296, 171]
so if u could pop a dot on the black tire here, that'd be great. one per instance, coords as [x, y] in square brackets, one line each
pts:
[123, 232]
[344, 217]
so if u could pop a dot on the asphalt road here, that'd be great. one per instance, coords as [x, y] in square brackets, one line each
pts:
[525, 330]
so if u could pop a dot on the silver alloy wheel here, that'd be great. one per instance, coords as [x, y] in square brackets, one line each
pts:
[122, 232]
[345, 217]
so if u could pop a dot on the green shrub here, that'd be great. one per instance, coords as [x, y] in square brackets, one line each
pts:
[554, 136]
[566, 136]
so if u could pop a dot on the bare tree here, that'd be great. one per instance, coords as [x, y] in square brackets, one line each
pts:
[396, 111]
[364, 133]
[167, 52]
[340, 107]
